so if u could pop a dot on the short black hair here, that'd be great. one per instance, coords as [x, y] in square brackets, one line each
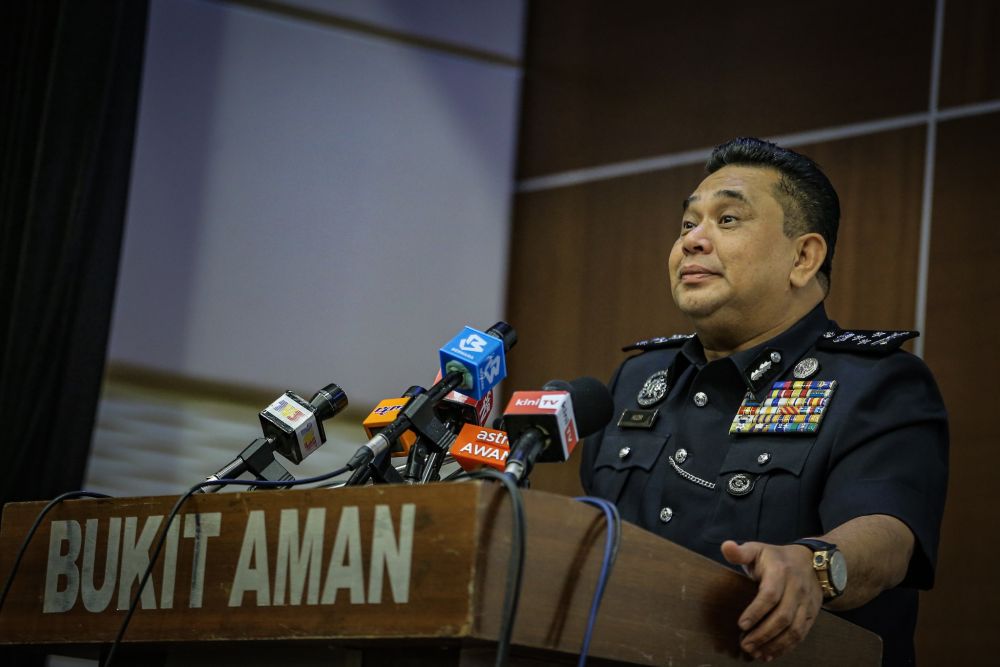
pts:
[805, 193]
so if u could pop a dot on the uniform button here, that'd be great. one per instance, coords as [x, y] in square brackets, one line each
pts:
[624, 452]
[776, 357]
[681, 455]
[666, 514]
[763, 458]
[700, 399]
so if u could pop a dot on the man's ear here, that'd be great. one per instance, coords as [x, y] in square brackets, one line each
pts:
[810, 251]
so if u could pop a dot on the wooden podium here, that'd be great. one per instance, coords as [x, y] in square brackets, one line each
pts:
[393, 575]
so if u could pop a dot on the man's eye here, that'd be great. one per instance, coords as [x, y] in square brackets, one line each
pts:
[726, 219]
[687, 225]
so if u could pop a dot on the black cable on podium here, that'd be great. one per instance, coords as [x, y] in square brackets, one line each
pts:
[256, 483]
[69, 495]
[516, 564]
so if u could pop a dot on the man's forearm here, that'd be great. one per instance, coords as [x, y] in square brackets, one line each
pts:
[877, 550]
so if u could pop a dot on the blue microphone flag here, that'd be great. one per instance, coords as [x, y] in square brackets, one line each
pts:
[479, 357]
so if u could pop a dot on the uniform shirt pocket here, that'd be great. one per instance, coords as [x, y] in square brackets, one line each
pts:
[759, 490]
[626, 459]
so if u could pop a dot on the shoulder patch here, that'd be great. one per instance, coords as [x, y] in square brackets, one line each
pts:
[659, 342]
[856, 340]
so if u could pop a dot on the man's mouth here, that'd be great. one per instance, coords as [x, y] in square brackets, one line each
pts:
[693, 273]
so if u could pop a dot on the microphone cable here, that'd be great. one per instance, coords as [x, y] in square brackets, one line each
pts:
[260, 484]
[611, 545]
[69, 495]
[516, 564]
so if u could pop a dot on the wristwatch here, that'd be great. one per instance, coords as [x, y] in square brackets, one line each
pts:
[830, 567]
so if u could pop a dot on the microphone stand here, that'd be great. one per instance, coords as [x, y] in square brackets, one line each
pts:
[258, 459]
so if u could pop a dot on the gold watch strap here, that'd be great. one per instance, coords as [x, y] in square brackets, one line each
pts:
[821, 565]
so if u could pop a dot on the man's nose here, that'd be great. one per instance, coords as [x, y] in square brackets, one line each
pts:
[697, 241]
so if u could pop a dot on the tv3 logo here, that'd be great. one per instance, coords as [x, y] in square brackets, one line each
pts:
[288, 411]
[491, 369]
[309, 439]
[472, 343]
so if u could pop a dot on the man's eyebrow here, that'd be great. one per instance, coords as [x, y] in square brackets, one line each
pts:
[718, 194]
[730, 194]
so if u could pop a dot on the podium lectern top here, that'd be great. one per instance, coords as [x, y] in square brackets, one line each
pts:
[389, 565]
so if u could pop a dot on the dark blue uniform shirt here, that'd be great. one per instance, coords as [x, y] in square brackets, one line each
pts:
[880, 447]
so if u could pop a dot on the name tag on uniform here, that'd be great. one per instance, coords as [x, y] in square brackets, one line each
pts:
[791, 406]
[638, 418]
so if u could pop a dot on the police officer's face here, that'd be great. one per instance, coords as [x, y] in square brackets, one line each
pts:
[732, 261]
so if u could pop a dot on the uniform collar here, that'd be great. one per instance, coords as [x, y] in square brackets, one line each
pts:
[759, 365]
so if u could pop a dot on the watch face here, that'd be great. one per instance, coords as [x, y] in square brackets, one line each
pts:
[838, 571]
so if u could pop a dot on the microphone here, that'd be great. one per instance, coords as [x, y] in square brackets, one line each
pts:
[293, 427]
[384, 414]
[480, 356]
[546, 425]
[481, 364]
[417, 415]
[478, 446]
[296, 425]
[472, 401]
[456, 411]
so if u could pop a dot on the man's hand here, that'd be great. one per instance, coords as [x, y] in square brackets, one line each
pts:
[788, 598]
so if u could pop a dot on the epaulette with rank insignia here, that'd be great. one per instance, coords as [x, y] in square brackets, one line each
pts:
[658, 343]
[872, 342]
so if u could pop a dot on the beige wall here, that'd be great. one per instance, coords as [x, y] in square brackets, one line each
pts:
[900, 103]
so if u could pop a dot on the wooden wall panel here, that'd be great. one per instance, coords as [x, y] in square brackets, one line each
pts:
[959, 618]
[589, 268]
[612, 81]
[879, 179]
[589, 272]
[970, 64]
[609, 82]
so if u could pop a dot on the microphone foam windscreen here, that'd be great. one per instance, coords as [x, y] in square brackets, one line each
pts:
[592, 404]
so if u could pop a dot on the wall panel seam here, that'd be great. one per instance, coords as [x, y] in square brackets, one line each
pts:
[686, 158]
[927, 200]
[372, 30]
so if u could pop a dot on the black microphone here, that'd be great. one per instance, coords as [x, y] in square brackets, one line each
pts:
[379, 418]
[546, 425]
[293, 427]
[417, 415]
[456, 411]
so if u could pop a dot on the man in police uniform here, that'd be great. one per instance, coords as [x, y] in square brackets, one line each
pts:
[812, 457]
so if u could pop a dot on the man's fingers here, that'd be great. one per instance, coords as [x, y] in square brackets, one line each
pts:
[741, 554]
[774, 623]
[790, 620]
[790, 637]
[769, 594]
[787, 601]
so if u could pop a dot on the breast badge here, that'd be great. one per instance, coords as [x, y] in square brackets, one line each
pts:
[654, 389]
[806, 368]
